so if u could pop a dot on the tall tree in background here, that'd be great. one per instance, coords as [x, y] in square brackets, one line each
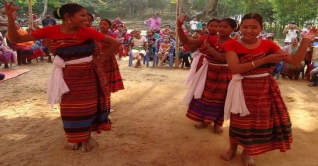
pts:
[209, 10]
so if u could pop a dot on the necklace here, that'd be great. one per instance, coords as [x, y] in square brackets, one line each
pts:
[220, 45]
[64, 37]
[248, 43]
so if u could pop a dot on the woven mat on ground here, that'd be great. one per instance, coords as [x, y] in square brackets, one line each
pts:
[12, 73]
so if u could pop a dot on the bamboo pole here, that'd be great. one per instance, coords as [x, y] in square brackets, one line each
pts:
[30, 14]
[177, 37]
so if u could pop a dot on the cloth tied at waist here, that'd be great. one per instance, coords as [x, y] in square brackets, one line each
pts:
[198, 83]
[57, 86]
[196, 57]
[235, 101]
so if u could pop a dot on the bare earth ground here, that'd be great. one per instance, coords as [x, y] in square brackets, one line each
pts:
[149, 124]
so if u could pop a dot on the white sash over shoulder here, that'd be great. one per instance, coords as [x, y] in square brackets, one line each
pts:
[197, 84]
[235, 101]
[57, 86]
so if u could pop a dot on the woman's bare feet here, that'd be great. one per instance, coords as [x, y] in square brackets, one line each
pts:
[218, 129]
[200, 126]
[89, 145]
[248, 161]
[72, 146]
[230, 153]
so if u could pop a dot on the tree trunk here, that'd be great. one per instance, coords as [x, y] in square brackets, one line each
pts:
[209, 11]
[45, 3]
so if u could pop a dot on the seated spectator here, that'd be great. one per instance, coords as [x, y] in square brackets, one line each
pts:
[116, 24]
[313, 77]
[155, 33]
[39, 44]
[131, 35]
[151, 44]
[307, 59]
[184, 54]
[119, 30]
[6, 54]
[121, 36]
[271, 37]
[291, 71]
[138, 47]
[204, 31]
[172, 35]
[164, 50]
[28, 49]
[236, 35]
[165, 30]
[196, 34]
[314, 71]
[47, 21]
[278, 66]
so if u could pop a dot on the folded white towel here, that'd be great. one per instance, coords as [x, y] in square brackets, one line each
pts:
[57, 86]
[198, 83]
[235, 101]
[196, 57]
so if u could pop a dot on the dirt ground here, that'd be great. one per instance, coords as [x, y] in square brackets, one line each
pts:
[149, 124]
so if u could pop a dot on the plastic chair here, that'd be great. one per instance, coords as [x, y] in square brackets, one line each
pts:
[155, 58]
[145, 60]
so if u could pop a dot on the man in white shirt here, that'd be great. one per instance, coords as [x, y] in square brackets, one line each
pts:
[193, 25]
[291, 31]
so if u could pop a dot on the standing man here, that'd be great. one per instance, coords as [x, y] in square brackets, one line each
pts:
[48, 20]
[154, 22]
[291, 31]
[193, 25]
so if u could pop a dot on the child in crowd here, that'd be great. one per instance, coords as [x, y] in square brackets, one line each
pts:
[155, 33]
[184, 55]
[164, 49]
[151, 43]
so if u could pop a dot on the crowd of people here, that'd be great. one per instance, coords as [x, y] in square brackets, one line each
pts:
[227, 60]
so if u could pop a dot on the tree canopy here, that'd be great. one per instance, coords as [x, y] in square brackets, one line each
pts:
[276, 13]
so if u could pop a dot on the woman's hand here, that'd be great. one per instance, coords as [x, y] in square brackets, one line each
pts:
[180, 21]
[311, 34]
[275, 58]
[10, 10]
[97, 61]
[206, 43]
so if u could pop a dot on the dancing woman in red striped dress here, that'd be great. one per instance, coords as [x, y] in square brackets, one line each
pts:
[212, 78]
[76, 77]
[259, 120]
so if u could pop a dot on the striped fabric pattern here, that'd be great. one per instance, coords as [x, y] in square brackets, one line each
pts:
[210, 108]
[73, 49]
[111, 69]
[82, 111]
[268, 127]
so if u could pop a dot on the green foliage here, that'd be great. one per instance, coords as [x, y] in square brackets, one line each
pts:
[276, 13]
